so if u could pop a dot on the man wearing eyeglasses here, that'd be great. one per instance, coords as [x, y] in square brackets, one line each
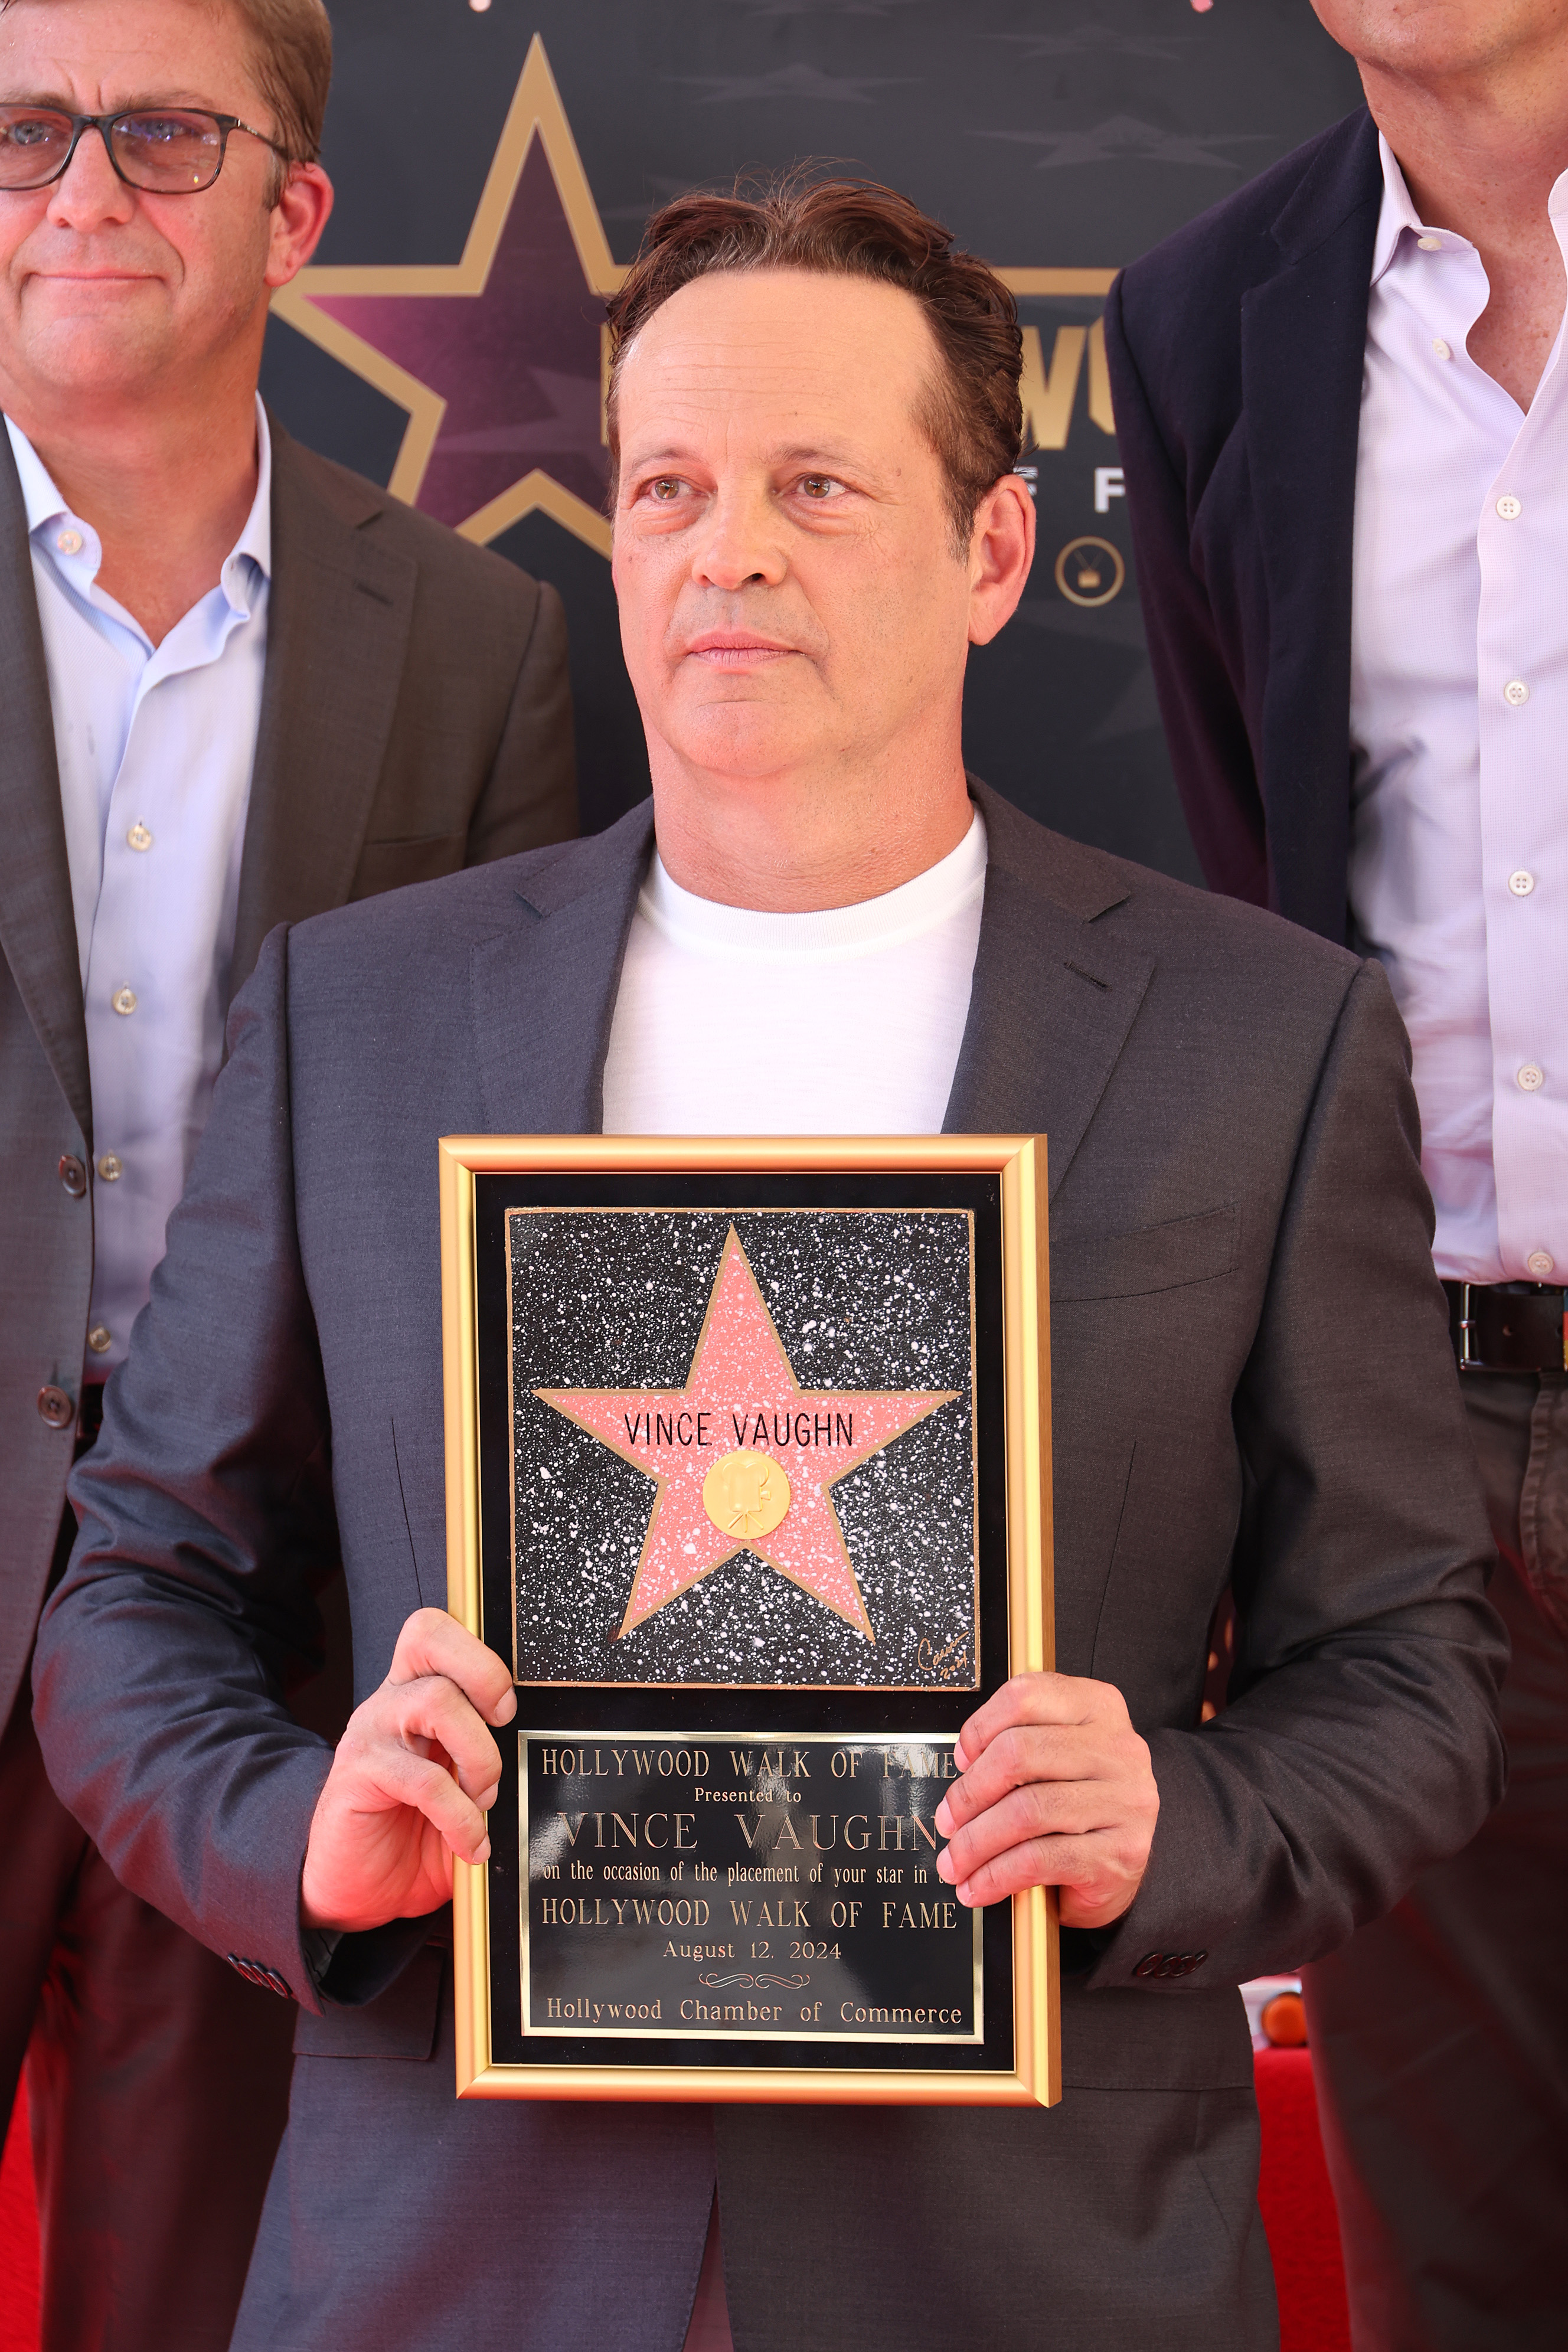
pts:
[223, 664]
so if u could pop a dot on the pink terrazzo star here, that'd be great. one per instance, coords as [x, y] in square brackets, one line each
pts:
[715, 1447]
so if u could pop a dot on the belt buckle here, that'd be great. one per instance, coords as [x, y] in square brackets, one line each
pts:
[1469, 1363]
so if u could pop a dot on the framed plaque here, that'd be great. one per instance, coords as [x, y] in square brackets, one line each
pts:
[748, 1480]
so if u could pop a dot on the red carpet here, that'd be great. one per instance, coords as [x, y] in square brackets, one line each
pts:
[19, 2240]
[1299, 2208]
[1297, 2212]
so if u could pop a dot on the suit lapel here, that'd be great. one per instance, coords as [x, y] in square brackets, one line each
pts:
[1053, 999]
[337, 633]
[1303, 344]
[1051, 1004]
[544, 995]
[37, 921]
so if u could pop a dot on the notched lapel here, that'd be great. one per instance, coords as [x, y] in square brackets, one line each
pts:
[544, 994]
[1053, 998]
[38, 920]
[337, 635]
[1304, 344]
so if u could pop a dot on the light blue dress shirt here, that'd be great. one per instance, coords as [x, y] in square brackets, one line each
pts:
[155, 747]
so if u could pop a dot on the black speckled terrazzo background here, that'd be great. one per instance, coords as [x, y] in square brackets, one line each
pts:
[867, 1299]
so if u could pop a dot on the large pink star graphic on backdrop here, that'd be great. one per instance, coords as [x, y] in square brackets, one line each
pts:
[743, 1457]
[516, 365]
[496, 356]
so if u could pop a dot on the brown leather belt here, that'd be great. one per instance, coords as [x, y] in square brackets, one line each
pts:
[1507, 1327]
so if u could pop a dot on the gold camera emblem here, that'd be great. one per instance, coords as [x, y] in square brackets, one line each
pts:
[746, 1494]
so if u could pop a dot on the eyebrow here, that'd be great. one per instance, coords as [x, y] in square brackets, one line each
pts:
[806, 453]
[59, 103]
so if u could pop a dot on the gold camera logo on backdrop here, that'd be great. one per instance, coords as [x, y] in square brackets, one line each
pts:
[501, 358]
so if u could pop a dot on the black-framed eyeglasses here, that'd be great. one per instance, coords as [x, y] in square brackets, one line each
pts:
[167, 150]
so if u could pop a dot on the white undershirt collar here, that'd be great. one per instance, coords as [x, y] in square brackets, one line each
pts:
[703, 927]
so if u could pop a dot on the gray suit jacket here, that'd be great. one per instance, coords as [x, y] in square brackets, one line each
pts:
[415, 718]
[1251, 1382]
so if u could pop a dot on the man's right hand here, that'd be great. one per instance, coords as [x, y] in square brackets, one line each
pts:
[391, 1816]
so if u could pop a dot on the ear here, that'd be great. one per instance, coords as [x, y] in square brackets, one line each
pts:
[1001, 549]
[303, 208]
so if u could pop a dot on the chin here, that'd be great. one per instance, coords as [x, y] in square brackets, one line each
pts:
[750, 761]
[744, 740]
[1437, 37]
[91, 355]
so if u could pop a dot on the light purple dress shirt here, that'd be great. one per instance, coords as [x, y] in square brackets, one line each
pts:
[1458, 870]
[155, 747]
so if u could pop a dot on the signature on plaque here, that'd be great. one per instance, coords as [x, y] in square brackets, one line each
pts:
[951, 1662]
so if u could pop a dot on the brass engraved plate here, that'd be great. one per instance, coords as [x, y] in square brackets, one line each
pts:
[741, 1887]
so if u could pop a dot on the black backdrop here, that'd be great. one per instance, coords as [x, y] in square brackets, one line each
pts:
[1055, 137]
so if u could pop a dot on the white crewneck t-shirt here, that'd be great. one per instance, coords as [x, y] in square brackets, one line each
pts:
[843, 1023]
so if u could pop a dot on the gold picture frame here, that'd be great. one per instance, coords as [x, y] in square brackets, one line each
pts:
[1030, 2072]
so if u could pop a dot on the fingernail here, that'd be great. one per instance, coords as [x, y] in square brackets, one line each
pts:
[507, 1708]
[943, 1819]
[482, 1850]
[962, 1757]
[944, 1866]
[487, 1800]
[966, 1893]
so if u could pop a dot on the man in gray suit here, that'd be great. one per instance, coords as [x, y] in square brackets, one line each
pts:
[225, 665]
[816, 411]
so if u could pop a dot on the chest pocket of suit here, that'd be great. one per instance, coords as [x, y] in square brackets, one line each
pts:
[392, 864]
[1157, 1257]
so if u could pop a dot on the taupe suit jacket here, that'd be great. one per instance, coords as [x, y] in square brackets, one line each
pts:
[1251, 1382]
[416, 719]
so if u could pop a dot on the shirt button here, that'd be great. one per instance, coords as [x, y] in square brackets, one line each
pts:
[73, 1175]
[70, 542]
[1540, 1262]
[1531, 1077]
[1430, 244]
[1440, 349]
[1516, 691]
[98, 1340]
[139, 837]
[1511, 507]
[124, 1000]
[111, 1167]
[1523, 883]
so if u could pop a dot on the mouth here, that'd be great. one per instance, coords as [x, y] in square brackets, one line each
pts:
[737, 649]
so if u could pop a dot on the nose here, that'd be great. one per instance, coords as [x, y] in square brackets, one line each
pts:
[89, 191]
[742, 544]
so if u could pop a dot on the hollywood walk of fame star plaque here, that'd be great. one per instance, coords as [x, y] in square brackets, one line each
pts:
[748, 1481]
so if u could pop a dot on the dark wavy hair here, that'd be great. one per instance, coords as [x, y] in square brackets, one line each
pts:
[970, 412]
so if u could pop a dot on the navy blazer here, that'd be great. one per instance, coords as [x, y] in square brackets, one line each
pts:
[1236, 350]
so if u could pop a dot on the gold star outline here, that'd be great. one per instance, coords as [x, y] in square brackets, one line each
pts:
[537, 111]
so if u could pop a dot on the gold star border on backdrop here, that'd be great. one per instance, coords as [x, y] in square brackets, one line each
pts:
[537, 111]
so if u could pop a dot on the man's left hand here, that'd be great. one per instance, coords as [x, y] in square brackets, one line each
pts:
[1057, 1791]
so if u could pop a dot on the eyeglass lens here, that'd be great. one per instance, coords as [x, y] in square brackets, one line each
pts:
[167, 153]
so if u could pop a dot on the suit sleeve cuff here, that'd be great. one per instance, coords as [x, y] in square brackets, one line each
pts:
[349, 1970]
